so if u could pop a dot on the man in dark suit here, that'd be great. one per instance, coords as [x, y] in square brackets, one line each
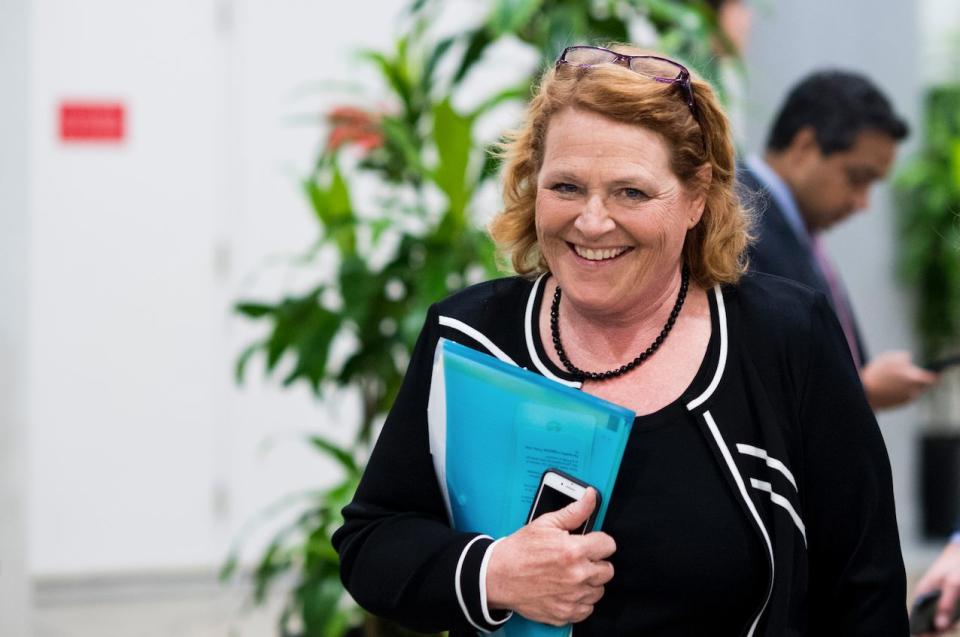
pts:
[835, 136]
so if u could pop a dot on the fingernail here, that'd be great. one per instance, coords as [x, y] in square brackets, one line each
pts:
[942, 622]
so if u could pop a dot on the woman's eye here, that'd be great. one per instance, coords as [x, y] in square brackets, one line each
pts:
[564, 188]
[634, 194]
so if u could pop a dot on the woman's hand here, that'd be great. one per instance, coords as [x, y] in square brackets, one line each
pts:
[548, 575]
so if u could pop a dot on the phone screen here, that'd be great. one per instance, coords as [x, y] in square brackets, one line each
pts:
[550, 498]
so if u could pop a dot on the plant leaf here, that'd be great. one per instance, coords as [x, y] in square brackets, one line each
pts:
[341, 455]
[320, 597]
[394, 74]
[477, 42]
[310, 340]
[399, 137]
[434, 58]
[362, 292]
[229, 568]
[452, 134]
[508, 16]
[241, 364]
[514, 93]
[253, 310]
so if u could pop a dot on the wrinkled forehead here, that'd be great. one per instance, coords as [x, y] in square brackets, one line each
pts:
[579, 137]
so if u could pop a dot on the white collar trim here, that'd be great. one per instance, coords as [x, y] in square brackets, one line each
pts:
[528, 326]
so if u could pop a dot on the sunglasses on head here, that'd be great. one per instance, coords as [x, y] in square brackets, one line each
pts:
[654, 67]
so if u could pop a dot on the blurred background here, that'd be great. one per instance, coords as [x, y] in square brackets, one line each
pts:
[221, 224]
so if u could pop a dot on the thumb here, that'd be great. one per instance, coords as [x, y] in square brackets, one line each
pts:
[573, 515]
[945, 607]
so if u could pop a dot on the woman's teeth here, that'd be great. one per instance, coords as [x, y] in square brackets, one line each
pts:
[598, 254]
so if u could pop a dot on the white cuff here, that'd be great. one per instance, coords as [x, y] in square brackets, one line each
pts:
[483, 588]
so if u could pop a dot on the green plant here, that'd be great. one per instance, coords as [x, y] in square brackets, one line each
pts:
[410, 245]
[377, 303]
[929, 222]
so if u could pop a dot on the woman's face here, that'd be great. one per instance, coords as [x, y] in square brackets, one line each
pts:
[611, 216]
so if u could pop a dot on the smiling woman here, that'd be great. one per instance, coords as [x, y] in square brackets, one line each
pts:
[620, 208]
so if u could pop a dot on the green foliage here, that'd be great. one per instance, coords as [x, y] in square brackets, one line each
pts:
[317, 601]
[686, 29]
[429, 164]
[929, 223]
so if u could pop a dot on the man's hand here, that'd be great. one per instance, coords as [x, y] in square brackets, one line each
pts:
[944, 574]
[548, 575]
[891, 379]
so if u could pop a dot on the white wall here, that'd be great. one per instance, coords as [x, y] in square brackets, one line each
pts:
[123, 288]
[940, 45]
[143, 453]
[14, 118]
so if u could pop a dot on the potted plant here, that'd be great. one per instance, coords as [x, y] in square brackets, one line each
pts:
[929, 231]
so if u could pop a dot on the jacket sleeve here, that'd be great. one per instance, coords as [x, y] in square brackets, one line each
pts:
[399, 557]
[857, 584]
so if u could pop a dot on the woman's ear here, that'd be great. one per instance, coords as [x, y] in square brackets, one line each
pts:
[700, 186]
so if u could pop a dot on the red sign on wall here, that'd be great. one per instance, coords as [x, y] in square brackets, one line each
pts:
[91, 121]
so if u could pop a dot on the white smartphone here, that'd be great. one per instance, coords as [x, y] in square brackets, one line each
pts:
[557, 490]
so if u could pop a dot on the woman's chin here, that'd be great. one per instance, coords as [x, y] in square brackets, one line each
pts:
[591, 294]
[591, 277]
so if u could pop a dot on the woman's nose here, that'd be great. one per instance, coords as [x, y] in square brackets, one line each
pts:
[594, 220]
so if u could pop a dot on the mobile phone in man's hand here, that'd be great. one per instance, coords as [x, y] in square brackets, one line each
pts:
[924, 613]
[941, 364]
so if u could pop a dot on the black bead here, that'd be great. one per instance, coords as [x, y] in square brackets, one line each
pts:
[623, 369]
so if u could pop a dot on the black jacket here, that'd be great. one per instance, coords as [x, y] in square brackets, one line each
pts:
[777, 249]
[784, 414]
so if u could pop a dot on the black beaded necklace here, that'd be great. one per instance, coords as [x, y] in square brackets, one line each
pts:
[644, 355]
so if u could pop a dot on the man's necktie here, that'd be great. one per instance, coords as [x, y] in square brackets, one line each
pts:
[841, 305]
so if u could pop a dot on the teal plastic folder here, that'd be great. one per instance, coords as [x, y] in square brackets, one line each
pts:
[495, 428]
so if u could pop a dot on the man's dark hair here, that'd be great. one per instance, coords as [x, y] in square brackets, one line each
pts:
[838, 105]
